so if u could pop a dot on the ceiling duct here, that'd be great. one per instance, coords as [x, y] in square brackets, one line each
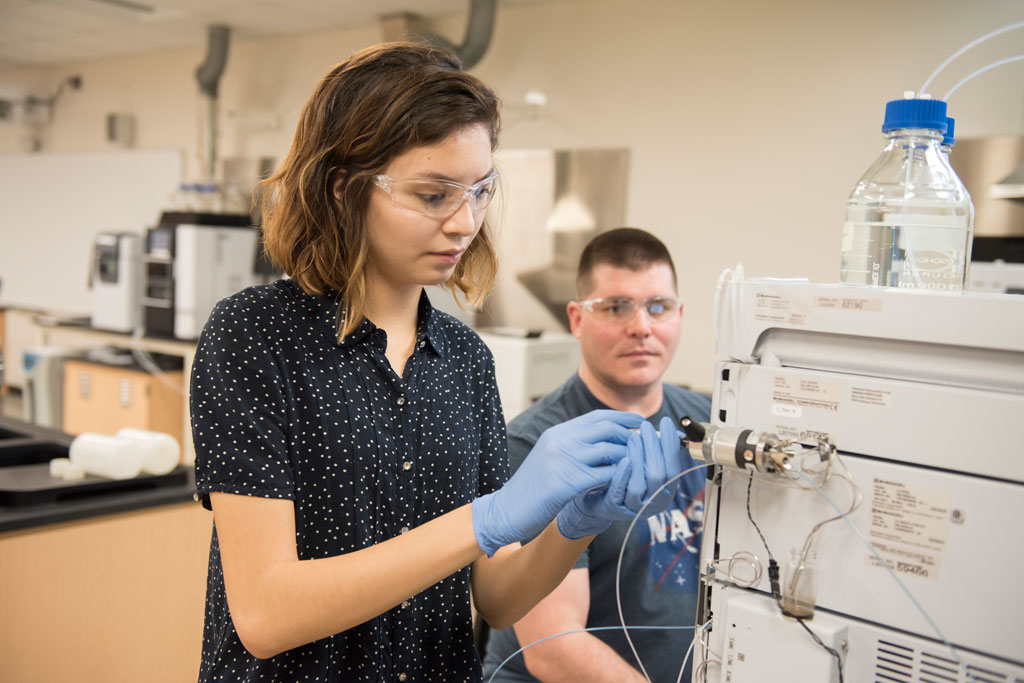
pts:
[208, 76]
[479, 28]
[209, 72]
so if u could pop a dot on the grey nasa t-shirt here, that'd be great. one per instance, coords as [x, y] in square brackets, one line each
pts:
[659, 572]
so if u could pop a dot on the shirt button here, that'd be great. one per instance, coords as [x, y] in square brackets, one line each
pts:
[423, 343]
[405, 604]
[407, 465]
[404, 530]
[401, 400]
[402, 677]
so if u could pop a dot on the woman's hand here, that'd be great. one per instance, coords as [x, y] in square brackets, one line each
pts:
[573, 457]
[650, 462]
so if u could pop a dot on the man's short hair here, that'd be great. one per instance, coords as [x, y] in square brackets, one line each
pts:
[629, 248]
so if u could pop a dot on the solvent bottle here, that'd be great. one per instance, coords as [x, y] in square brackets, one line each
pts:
[909, 222]
[949, 137]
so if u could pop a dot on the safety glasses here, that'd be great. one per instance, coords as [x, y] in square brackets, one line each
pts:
[438, 199]
[659, 309]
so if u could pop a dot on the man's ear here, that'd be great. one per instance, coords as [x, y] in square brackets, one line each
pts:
[575, 312]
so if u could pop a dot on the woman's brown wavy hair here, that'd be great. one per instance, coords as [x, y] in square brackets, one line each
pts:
[376, 105]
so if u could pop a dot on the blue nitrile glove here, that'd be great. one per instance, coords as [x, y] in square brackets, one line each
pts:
[569, 458]
[591, 512]
[661, 463]
[650, 462]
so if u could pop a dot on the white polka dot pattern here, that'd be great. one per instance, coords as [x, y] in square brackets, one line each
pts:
[280, 409]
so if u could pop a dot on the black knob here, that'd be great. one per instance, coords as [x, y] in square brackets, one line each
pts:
[694, 430]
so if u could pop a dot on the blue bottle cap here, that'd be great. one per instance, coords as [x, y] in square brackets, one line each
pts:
[915, 113]
[948, 137]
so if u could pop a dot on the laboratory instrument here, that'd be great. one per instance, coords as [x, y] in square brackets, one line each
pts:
[529, 364]
[192, 261]
[43, 386]
[116, 280]
[867, 387]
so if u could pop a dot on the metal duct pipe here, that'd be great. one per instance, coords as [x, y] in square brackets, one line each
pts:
[209, 72]
[479, 28]
[208, 76]
[478, 33]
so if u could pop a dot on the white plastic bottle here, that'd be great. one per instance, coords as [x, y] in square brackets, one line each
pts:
[910, 221]
[124, 455]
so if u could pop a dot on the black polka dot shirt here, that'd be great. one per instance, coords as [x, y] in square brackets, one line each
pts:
[280, 409]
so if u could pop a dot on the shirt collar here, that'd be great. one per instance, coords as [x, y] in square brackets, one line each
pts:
[429, 326]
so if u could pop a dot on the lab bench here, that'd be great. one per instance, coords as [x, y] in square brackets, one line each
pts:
[46, 330]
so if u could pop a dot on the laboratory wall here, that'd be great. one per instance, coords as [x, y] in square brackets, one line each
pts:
[748, 123]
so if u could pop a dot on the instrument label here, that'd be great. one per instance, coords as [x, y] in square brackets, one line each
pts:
[848, 304]
[871, 397]
[805, 393]
[783, 410]
[909, 527]
[777, 308]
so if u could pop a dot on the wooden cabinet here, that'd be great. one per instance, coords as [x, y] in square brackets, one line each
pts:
[104, 399]
[117, 598]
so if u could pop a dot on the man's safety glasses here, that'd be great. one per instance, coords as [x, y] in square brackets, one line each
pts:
[437, 198]
[660, 309]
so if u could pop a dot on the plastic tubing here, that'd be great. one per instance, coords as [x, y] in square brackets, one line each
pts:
[1000, 62]
[885, 564]
[143, 358]
[622, 551]
[689, 650]
[965, 48]
[588, 630]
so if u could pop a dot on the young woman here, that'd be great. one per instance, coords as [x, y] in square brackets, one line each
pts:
[349, 437]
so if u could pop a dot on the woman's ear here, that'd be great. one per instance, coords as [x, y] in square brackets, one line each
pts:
[338, 178]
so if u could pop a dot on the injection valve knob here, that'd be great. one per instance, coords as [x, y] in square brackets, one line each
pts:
[694, 430]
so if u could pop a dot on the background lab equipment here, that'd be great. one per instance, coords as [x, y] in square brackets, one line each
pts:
[528, 365]
[43, 388]
[192, 261]
[116, 282]
[992, 168]
[921, 393]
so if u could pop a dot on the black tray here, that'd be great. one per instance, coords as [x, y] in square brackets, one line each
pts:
[25, 476]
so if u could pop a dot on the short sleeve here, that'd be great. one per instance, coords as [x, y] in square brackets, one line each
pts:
[493, 438]
[238, 406]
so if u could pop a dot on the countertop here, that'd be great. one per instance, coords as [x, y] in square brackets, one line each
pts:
[132, 494]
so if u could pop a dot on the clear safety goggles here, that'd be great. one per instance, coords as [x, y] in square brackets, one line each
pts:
[659, 309]
[438, 198]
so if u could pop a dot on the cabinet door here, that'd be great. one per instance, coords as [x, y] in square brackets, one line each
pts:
[165, 403]
[105, 399]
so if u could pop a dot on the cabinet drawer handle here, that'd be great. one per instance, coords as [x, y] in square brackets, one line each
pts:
[124, 393]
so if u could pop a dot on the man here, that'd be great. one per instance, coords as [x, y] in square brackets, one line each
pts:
[628, 319]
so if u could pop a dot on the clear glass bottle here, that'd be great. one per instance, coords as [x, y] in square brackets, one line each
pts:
[182, 199]
[949, 137]
[800, 585]
[208, 198]
[910, 220]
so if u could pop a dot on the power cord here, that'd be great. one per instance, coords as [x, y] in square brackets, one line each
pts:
[773, 566]
[773, 578]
